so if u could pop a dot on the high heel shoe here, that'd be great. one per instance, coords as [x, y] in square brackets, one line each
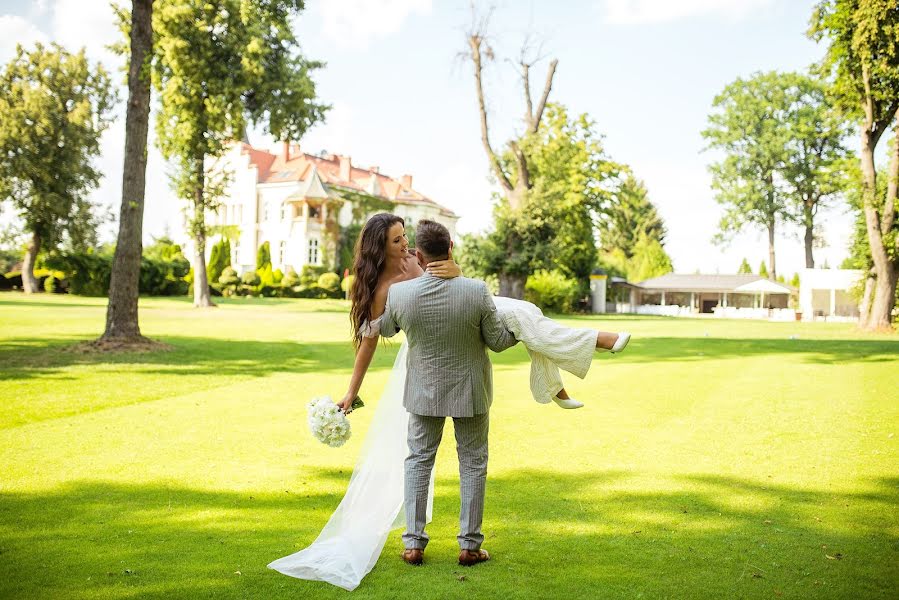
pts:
[623, 338]
[567, 402]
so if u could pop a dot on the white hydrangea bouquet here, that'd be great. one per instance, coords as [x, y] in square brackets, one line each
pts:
[328, 423]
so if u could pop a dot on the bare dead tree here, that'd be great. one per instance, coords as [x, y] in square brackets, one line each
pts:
[515, 180]
[481, 52]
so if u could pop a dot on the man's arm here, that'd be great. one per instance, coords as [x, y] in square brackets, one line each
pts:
[495, 334]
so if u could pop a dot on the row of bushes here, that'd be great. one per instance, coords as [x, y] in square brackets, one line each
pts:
[251, 283]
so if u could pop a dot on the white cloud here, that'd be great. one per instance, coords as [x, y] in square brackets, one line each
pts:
[635, 12]
[354, 23]
[88, 23]
[17, 30]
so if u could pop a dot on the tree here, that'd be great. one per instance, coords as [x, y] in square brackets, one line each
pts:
[513, 176]
[629, 216]
[121, 313]
[649, 260]
[745, 268]
[863, 59]
[814, 167]
[748, 127]
[54, 106]
[217, 67]
[554, 228]
[763, 271]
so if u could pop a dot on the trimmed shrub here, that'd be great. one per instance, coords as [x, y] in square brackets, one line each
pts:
[291, 279]
[310, 274]
[552, 291]
[228, 276]
[347, 283]
[51, 284]
[263, 256]
[250, 278]
[329, 281]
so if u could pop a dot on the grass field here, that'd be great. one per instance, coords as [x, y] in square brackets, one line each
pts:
[714, 459]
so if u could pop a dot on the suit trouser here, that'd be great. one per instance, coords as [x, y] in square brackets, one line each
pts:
[425, 434]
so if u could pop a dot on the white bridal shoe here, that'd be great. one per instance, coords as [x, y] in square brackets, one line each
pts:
[623, 338]
[567, 402]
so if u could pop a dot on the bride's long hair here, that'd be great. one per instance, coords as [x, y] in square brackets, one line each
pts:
[368, 262]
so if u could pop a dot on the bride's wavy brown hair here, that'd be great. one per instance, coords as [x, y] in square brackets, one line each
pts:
[368, 262]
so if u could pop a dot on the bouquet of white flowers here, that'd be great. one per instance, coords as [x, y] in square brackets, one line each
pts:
[328, 423]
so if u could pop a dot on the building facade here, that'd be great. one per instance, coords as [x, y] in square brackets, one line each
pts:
[298, 203]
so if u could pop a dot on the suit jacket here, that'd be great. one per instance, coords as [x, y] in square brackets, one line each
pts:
[449, 325]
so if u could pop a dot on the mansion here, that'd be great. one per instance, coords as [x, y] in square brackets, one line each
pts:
[298, 202]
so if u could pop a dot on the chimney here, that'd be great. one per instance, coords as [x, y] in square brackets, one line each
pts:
[375, 169]
[406, 182]
[285, 153]
[345, 166]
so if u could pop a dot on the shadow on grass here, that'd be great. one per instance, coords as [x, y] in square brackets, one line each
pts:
[552, 535]
[25, 358]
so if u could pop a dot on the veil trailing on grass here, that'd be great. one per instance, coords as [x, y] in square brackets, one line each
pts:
[349, 545]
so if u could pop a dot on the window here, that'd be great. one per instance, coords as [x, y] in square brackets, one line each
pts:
[235, 248]
[313, 252]
[284, 208]
[282, 252]
[314, 212]
[264, 211]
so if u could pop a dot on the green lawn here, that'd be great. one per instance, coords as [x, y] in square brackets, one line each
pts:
[714, 459]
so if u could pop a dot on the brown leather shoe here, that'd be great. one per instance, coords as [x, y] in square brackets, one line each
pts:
[414, 556]
[468, 558]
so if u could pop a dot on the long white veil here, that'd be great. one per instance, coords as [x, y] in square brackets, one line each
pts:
[349, 545]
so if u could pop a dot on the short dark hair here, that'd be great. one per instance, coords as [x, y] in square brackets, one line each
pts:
[432, 239]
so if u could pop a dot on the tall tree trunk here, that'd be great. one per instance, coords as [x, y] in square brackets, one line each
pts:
[201, 284]
[772, 268]
[29, 283]
[121, 313]
[809, 237]
[885, 270]
[512, 286]
[864, 309]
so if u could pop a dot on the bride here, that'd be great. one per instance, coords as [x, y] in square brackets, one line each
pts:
[351, 542]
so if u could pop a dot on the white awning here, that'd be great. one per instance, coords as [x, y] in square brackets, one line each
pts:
[764, 285]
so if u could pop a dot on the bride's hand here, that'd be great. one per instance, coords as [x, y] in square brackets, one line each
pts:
[346, 404]
[445, 269]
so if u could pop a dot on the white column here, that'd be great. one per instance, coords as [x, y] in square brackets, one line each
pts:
[663, 297]
[692, 301]
[725, 299]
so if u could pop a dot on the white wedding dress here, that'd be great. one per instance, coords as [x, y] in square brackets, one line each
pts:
[351, 542]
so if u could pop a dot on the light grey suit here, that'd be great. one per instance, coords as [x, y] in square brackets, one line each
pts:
[449, 325]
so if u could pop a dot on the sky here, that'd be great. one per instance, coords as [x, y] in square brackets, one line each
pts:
[646, 71]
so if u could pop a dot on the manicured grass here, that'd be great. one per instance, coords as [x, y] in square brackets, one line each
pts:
[714, 458]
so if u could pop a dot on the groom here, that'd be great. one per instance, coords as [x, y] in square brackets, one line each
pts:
[449, 325]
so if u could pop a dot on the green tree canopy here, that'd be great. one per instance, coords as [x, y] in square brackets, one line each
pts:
[54, 106]
[219, 66]
[862, 57]
[629, 216]
[555, 227]
[744, 267]
[746, 127]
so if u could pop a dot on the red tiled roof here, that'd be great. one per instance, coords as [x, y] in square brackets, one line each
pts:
[274, 169]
